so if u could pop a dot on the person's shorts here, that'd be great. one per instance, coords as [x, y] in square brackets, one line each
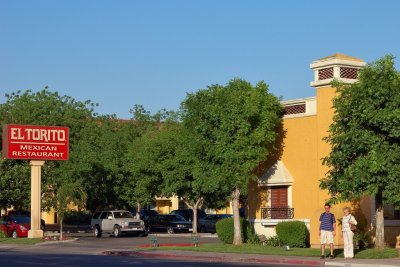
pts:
[326, 237]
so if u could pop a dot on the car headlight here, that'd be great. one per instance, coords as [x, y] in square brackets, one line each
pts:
[180, 225]
[23, 228]
[141, 222]
[124, 223]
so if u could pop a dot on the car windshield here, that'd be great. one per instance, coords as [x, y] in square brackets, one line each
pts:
[21, 219]
[149, 212]
[122, 214]
[153, 212]
[175, 217]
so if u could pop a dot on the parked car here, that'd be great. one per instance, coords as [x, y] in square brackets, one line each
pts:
[145, 214]
[15, 213]
[169, 223]
[116, 222]
[207, 224]
[17, 225]
[188, 213]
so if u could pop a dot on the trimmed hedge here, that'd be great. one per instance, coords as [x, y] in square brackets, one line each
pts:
[294, 234]
[225, 230]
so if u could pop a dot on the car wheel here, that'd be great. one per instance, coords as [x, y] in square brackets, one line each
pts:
[117, 231]
[14, 234]
[142, 234]
[170, 230]
[97, 232]
[202, 229]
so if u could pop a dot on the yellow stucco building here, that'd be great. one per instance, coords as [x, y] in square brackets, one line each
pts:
[165, 205]
[289, 190]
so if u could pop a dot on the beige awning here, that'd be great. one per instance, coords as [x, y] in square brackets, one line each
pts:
[278, 174]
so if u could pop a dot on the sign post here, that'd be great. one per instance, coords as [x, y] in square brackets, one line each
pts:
[36, 199]
[36, 143]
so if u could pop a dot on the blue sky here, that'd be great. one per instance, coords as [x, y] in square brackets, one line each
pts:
[123, 52]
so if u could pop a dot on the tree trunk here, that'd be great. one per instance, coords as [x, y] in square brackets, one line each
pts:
[194, 208]
[138, 207]
[380, 229]
[61, 227]
[237, 236]
[194, 222]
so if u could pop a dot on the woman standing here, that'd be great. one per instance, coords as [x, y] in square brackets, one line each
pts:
[347, 221]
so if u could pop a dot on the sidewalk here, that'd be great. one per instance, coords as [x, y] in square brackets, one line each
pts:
[254, 258]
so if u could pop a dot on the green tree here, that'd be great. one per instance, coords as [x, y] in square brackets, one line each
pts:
[178, 164]
[236, 127]
[98, 146]
[63, 197]
[98, 161]
[364, 136]
[40, 108]
[14, 184]
[144, 179]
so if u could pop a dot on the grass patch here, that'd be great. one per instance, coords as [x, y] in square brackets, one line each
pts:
[20, 241]
[265, 250]
[385, 253]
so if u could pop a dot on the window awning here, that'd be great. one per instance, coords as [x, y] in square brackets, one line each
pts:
[278, 174]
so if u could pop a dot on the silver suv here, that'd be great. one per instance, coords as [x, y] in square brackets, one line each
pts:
[116, 222]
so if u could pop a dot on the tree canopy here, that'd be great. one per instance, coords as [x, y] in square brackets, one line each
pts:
[365, 135]
[40, 108]
[97, 149]
[236, 127]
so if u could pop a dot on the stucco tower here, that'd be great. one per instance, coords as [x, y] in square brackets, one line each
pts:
[345, 69]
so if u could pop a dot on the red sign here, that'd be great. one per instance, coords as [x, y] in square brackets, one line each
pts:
[35, 142]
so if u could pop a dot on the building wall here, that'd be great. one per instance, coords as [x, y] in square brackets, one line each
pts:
[303, 150]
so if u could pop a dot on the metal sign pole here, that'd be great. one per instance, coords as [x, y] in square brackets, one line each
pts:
[36, 199]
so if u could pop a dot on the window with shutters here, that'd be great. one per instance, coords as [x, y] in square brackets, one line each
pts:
[279, 202]
[279, 197]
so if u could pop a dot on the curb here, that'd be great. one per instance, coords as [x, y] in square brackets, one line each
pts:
[47, 233]
[183, 235]
[267, 260]
[44, 243]
[350, 264]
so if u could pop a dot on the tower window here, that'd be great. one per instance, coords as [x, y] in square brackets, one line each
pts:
[295, 109]
[348, 73]
[326, 73]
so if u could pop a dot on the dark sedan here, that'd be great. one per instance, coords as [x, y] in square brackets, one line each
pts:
[207, 224]
[169, 223]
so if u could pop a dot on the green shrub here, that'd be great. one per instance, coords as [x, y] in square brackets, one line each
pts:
[2, 234]
[77, 217]
[225, 230]
[362, 239]
[294, 233]
[273, 241]
[251, 236]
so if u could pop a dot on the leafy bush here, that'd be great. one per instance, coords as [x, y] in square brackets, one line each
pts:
[225, 230]
[2, 234]
[362, 239]
[294, 233]
[251, 236]
[273, 241]
[74, 217]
